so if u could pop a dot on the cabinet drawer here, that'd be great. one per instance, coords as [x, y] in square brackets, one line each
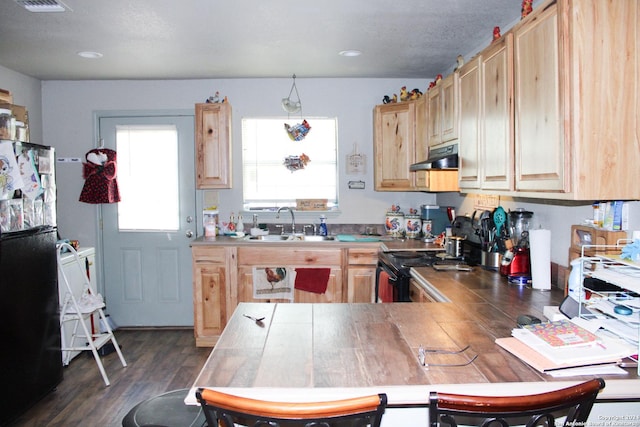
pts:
[273, 255]
[209, 254]
[363, 256]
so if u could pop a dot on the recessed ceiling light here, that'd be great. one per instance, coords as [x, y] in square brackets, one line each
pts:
[90, 55]
[350, 52]
[43, 5]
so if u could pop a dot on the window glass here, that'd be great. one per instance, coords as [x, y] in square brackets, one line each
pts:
[266, 146]
[148, 177]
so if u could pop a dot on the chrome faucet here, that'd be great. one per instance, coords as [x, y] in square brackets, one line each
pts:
[293, 218]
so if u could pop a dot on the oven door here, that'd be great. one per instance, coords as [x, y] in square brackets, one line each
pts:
[391, 286]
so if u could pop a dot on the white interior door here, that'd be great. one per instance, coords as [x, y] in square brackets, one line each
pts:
[146, 236]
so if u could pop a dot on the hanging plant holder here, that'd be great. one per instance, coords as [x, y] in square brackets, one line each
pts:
[298, 131]
[289, 105]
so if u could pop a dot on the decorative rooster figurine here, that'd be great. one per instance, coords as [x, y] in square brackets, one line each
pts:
[496, 33]
[527, 7]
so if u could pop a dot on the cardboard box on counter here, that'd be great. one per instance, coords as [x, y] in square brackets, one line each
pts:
[5, 97]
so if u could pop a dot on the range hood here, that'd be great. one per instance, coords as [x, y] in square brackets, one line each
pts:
[439, 158]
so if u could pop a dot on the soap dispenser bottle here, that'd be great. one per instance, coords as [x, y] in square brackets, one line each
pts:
[240, 224]
[323, 225]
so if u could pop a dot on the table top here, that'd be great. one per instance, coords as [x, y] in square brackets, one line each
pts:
[369, 347]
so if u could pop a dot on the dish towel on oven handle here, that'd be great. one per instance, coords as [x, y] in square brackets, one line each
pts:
[312, 279]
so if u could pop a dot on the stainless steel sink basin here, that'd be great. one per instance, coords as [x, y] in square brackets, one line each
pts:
[290, 238]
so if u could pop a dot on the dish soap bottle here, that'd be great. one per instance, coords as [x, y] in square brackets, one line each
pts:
[323, 225]
[240, 224]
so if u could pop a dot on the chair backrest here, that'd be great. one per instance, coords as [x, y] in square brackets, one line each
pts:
[224, 410]
[575, 402]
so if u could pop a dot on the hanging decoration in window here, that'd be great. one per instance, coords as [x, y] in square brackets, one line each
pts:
[298, 131]
[295, 163]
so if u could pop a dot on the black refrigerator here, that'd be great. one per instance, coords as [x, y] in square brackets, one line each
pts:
[30, 358]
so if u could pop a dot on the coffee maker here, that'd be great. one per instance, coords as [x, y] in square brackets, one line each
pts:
[516, 262]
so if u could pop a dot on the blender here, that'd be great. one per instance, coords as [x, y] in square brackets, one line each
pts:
[516, 263]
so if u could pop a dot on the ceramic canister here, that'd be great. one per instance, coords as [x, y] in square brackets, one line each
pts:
[394, 223]
[412, 226]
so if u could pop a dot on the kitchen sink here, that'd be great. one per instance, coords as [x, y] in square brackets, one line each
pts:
[290, 238]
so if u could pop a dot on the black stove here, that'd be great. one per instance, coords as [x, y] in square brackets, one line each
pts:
[399, 261]
[397, 265]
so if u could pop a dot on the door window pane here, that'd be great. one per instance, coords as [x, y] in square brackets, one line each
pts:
[148, 177]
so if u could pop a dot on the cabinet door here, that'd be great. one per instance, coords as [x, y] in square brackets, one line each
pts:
[213, 146]
[497, 116]
[210, 296]
[418, 294]
[332, 294]
[434, 128]
[540, 157]
[210, 299]
[362, 283]
[470, 119]
[394, 146]
[449, 116]
[421, 129]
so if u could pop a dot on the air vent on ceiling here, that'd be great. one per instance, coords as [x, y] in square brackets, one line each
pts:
[43, 5]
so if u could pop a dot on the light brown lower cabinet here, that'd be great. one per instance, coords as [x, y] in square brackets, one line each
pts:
[417, 293]
[223, 277]
[361, 274]
[213, 297]
[260, 257]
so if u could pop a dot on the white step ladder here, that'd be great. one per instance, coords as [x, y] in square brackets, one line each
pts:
[80, 307]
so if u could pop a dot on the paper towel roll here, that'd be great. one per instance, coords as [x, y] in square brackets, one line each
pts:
[540, 251]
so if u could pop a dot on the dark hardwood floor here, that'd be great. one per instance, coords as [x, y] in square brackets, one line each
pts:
[158, 360]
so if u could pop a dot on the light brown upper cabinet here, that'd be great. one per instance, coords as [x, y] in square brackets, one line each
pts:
[443, 111]
[541, 150]
[213, 145]
[577, 77]
[394, 146]
[575, 108]
[486, 119]
[400, 139]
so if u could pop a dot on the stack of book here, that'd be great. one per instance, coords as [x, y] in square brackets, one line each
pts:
[563, 344]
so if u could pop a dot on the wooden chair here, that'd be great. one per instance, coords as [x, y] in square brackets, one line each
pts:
[224, 410]
[575, 402]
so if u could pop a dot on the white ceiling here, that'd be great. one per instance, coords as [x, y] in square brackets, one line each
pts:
[188, 39]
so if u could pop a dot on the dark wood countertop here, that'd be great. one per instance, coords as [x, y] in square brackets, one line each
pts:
[487, 297]
[333, 349]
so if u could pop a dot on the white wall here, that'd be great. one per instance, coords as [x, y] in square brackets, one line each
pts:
[552, 215]
[68, 125]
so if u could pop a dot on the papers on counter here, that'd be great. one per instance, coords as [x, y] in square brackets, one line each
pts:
[539, 353]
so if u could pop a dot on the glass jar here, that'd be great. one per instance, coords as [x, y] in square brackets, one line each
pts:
[7, 124]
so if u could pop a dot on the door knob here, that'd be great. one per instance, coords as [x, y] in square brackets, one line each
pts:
[189, 219]
[189, 233]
